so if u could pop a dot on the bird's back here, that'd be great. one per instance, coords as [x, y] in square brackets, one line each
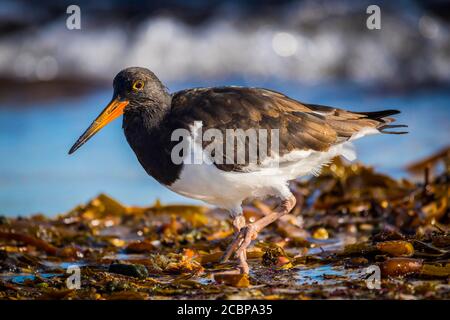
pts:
[301, 126]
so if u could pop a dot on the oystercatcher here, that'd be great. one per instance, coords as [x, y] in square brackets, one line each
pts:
[309, 136]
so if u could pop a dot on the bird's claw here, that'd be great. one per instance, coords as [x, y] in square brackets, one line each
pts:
[239, 245]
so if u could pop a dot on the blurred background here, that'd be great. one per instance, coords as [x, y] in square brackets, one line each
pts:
[54, 81]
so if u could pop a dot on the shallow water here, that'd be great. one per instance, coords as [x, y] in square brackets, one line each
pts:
[327, 275]
[37, 175]
[21, 278]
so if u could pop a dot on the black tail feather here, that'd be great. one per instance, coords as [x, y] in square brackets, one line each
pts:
[382, 117]
[379, 115]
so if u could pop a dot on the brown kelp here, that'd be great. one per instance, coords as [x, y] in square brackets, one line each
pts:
[354, 233]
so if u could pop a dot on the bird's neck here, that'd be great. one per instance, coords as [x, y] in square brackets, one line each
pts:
[148, 136]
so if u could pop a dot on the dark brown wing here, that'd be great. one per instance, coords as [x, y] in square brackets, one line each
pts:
[301, 126]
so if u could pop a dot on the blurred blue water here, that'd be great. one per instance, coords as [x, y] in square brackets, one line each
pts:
[37, 175]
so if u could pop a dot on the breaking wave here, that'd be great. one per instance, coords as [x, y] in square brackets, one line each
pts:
[306, 42]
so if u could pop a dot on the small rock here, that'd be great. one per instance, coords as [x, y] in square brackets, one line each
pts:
[140, 247]
[132, 270]
[387, 235]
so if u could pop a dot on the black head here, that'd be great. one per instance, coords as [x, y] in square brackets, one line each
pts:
[138, 86]
[135, 89]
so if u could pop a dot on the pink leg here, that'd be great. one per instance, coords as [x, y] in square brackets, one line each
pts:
[250, 232]
[238, 224]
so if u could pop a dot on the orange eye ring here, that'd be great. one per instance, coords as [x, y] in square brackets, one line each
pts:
[138, 85]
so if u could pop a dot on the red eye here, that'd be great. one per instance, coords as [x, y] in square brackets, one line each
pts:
[138, 85]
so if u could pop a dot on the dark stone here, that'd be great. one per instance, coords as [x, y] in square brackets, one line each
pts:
[132, 270]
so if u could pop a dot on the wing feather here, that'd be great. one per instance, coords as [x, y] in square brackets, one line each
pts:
[301, 126]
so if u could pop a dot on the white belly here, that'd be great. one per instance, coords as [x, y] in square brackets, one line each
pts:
[228, 189]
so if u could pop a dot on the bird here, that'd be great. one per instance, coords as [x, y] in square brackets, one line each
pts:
[308, 137]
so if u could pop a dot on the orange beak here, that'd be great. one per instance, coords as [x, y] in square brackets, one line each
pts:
[113, 110]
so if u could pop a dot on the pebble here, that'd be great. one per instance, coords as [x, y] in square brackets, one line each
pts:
[132, 270]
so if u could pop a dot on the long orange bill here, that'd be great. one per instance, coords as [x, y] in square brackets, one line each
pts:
[113, 110]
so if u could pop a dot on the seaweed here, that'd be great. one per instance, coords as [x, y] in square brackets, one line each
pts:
[348, 223]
